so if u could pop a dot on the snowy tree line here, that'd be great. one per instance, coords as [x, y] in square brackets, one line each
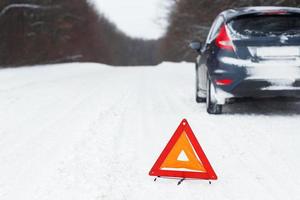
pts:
[52, 31]
[191, 19]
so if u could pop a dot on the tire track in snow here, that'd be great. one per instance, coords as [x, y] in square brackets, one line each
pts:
[32, 143]
[81, 99]
[100, 137]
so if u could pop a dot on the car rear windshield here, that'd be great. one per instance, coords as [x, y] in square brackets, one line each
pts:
[265, 25]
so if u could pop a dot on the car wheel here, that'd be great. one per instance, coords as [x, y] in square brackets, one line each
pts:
[199, 98]
[211, 102]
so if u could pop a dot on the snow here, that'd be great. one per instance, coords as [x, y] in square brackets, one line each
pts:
[278, 51]
[24, 5]
[90, 131]
[274, 87]
[273, 70]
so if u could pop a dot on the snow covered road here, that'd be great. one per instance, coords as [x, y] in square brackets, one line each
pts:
[89, 131]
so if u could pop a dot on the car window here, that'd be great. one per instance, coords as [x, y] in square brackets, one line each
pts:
[214, 29]
[262, 25]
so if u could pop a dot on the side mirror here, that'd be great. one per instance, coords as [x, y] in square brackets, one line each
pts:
[196, 45]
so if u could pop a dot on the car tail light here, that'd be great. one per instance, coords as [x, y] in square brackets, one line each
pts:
[223, 40]
[224, 82]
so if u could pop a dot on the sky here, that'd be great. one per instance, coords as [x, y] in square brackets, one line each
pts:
[137, 18]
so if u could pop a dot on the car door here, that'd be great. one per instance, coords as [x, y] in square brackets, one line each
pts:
[206, 52]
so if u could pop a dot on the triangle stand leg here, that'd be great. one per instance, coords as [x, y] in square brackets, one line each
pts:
[179, 183]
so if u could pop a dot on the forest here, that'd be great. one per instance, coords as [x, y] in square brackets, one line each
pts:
[53, 31]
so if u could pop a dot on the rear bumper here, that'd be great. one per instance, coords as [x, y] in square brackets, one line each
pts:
[256, 89]
[266, 88]
[265, 79]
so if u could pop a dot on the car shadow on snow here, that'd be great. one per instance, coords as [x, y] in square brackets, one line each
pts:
[272, 106]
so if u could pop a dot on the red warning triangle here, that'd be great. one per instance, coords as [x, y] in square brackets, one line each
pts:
[183, 157]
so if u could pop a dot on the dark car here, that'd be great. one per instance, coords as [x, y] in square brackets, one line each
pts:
[249, 52]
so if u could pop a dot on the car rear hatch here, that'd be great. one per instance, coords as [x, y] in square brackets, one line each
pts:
[266, 35]
[268, 43]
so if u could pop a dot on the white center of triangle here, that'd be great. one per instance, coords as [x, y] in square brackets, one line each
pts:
[182, 156]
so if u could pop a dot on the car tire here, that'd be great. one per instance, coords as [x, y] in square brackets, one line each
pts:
[211, 104]
[198, 98]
